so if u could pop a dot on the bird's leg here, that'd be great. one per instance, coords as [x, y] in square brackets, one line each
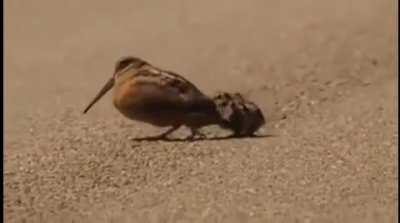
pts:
[195, 132]
[161, 136]
[169, 131]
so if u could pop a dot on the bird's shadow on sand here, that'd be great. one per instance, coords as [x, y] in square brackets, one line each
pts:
[201, 139]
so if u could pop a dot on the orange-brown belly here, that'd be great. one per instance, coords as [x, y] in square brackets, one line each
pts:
[138, 102]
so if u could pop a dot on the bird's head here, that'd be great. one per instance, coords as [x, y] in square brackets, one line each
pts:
[127, 63]
[121, 66]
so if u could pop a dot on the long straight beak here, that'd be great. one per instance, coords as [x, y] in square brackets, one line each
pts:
[103, 91]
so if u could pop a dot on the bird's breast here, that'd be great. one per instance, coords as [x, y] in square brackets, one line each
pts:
[145, 100]
[130, 98]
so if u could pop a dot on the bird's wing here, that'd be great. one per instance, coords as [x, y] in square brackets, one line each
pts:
[175, 92]
[181, 78]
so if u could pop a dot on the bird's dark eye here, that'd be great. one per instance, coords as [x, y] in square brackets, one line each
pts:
[121, 65]
[125, 62]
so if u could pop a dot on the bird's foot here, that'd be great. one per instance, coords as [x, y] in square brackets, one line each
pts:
[162, 136]
[196, 134]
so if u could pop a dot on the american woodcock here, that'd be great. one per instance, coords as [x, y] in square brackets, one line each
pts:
[145, 93]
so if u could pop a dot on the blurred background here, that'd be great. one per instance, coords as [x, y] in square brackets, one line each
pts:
[307, 64]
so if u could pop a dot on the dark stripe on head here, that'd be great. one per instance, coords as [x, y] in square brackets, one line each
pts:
[129, 60]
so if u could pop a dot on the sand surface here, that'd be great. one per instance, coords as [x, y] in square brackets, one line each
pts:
[323, 72]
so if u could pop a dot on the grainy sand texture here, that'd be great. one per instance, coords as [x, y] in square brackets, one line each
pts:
[323, 72]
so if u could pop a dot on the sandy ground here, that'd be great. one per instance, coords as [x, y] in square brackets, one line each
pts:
[322, 71]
